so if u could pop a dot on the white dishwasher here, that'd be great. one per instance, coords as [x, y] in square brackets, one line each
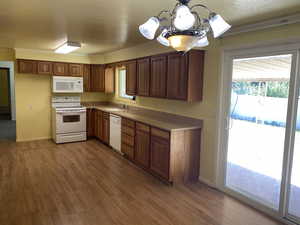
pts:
[115, 132]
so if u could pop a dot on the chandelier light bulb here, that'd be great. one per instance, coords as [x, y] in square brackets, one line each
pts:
[184, 19]
[218, 25]
[149, 28]
[202, 42]
[161, 38]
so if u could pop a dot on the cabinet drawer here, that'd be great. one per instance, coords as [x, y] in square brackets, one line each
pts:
[142, 127]
[127, 139]
[128, 130]
[160, 133]
[105, 115]
[128, 122]
[127, 150]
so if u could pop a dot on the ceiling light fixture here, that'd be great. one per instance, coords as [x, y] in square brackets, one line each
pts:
[67, 47]
[185, 29]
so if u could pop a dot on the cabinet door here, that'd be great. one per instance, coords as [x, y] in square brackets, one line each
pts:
[44, 68]
[97, 78]
[60, 69]
[91, 122]
[177, 79]
[142, 148]
[160, 156]
[158, 76]
[75, 70]
[109, 80]
[27, 66]
[131, 78]
[99, 125]
[86, 78]
[143, 77]
[105, 127]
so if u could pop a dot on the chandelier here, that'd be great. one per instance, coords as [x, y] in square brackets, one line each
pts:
[185, 29]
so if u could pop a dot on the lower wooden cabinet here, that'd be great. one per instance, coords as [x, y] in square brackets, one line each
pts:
[160, 156]
[127, 138]
[105, 128]
[102, 126]
[172, 156]
[90, 122]
[142, 145]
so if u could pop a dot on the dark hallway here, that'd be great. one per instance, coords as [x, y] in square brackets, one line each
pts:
[7, 125]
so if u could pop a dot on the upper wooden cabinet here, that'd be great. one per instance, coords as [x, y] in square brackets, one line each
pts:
[60, 69]
[44, 68]
[185, 76]
[97, 78]
[75, 70]
[158, 76]
[177, 76]
[87, 78]
[109, 80]
[143, 77]
[131, 78]
[27, 66]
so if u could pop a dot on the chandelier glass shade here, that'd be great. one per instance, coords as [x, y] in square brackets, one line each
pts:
[184, 28]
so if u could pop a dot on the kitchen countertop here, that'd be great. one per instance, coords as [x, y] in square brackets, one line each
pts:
[157, 119]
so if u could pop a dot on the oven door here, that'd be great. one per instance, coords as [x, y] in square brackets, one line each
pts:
[70, 121]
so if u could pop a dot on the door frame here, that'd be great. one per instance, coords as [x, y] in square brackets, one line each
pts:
[224, 103]
[9, 90]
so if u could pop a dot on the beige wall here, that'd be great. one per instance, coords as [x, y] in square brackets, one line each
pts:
[207, 110]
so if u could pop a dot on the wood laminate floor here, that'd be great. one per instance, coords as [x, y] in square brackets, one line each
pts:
[88, 184]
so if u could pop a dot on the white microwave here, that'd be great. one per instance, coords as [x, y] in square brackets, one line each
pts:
[67, 84]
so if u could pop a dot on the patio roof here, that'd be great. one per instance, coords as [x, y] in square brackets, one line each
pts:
[271, 68]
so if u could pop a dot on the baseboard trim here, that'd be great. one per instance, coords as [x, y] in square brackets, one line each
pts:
[207, 182]
[33, 139]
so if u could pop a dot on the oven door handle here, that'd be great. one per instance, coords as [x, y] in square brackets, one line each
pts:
[71, 113]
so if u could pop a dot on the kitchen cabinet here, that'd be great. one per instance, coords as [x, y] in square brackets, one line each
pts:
[97, 78]
[177, 76]
[27, 66]
[90, 122]
[105, 128]
[102, 126]
[60, 69]
[127, 138]
[98, 124]
[160, 153]
[158, 76]
[143, 77]
[185, 76]
[44, 68]
[87, 78]
[142, 145]
[109, 79]
[75, 69]
[131, 77]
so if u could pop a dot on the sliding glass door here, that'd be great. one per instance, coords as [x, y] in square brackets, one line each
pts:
[261, 130]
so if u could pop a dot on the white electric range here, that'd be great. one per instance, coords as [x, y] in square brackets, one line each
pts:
[68, 119]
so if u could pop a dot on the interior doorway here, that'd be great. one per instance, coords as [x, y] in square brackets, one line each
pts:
[7, 124]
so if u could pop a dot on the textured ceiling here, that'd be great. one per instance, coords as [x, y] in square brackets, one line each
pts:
[103, 26]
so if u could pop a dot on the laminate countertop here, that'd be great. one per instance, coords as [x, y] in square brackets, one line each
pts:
[157, 119]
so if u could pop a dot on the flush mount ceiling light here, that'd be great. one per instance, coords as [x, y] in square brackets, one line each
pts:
[185, 29]
[67, 47]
